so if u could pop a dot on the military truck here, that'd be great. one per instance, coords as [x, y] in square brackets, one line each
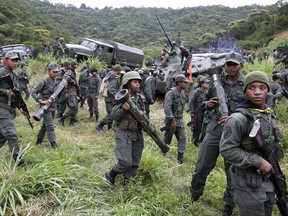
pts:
[110, 52]
[23, 51]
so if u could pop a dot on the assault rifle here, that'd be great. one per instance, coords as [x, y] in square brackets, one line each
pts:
[17, 100]
[60, 46]
[122, 97]
[52, 98]
[277, 177]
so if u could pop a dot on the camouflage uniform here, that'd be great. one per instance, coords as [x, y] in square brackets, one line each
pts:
[8, 130]
[103, 73]
[71, 97]
[113, 88]
[42, 92]
[146, 90]
[129, 140]
[61, 101]
[83, 85]
[196, 109]
[173, 107]
[23, 83]
[93, 92]
[253, 193]
[209, 148]
[274, 94]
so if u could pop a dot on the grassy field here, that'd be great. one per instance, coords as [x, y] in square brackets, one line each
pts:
[69, 181]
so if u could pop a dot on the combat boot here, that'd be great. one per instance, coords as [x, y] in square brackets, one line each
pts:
[96, 117]
[180, 158]
[100, 126]
[39, 141]
[53, 144]
[110, 177]
[109, 126]
[61, 120]
[228, 210]
[91, 115]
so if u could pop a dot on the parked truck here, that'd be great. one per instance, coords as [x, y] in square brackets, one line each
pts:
[110, 52]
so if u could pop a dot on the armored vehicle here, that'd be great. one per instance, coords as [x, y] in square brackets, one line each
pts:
[23, 51]
[110, 52]
[283, 55]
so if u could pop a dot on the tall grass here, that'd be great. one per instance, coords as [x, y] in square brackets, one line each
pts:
[69, 180]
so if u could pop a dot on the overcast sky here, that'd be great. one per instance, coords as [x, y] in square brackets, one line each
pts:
[161, 3]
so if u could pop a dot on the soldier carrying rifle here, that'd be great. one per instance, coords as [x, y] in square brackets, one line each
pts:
[250, 142]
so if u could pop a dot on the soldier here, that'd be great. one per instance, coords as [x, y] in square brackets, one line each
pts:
[146, 89]
[169, 81]
[184, 54]
[23, 80]
[154, 83]
[2, 60]
[128, 134]
[8, 130]
[83, 85]
[61, 100]
[196, 109]
[113, 88]
[59, 47]
[125, 67]
[165, 58]
[41, 94]
[93, 93]
[254, 192]
[209, 148]
[103, 73]
[174, 104]
[71, 95]
[276, 91]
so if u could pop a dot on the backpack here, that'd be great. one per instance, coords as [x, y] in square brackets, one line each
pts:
[104, 86]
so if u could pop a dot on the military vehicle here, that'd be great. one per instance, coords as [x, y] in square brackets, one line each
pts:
[201, 63]
[23, 51]
[110, 52]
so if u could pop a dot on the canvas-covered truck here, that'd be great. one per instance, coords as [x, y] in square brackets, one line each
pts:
[110, 52]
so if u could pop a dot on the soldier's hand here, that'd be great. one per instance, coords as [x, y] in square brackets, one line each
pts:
[9, 93]
[173, 125]
[125, 106]
[46, 102]
[23, 112]
[222, 120]
[96, 97]
[266, 167]
[212, 102]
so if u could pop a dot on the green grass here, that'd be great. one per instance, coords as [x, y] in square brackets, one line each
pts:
[69, 181]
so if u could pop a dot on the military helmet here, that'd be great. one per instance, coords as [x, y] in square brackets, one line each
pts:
[132, 75]
[276, 76]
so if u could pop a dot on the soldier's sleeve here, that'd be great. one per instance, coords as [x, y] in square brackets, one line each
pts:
[148, 90]
[118, 112]
[192, 102]
[98, 80]
[36, 91]
[235, 129]
[113, 86]
[168, 101]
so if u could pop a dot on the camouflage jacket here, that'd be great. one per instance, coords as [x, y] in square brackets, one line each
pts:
[23, 78]
[94, 85]
[84, 79]
[4, 86]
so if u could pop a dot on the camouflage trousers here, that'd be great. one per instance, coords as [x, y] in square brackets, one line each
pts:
[8, 131]
[93, 104]
[47, 126]
[180, 136]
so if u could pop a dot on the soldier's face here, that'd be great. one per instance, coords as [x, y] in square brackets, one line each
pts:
[134, 85]
[257, 93]
[11, 63]
[233, 69]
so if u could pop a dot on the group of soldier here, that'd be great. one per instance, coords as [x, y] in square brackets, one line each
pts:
[243, 95]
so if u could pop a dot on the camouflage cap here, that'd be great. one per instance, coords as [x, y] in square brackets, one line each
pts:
[73, 63]
[12, 55]
[181, 78]
[117, 67]
[146, 71]
[53, 66]
[204, 80]
[234, 57]
[66, 64]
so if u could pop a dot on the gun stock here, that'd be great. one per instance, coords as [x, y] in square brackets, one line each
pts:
[277, 177]
[123, 96]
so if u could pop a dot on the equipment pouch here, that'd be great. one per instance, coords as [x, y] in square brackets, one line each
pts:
[254, 180]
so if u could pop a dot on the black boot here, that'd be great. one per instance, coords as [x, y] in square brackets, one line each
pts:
[39, 141]
[109, 126]
[100, 126]
[53, 144]
[91, 115]
[180, 158]
[110, 177]
[61, 120]
[228, 210]
[97, 117]
[72, 121]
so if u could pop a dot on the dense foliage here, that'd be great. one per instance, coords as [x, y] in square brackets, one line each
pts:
[33, 22]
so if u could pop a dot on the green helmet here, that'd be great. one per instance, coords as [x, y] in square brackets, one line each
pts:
[131, 75]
